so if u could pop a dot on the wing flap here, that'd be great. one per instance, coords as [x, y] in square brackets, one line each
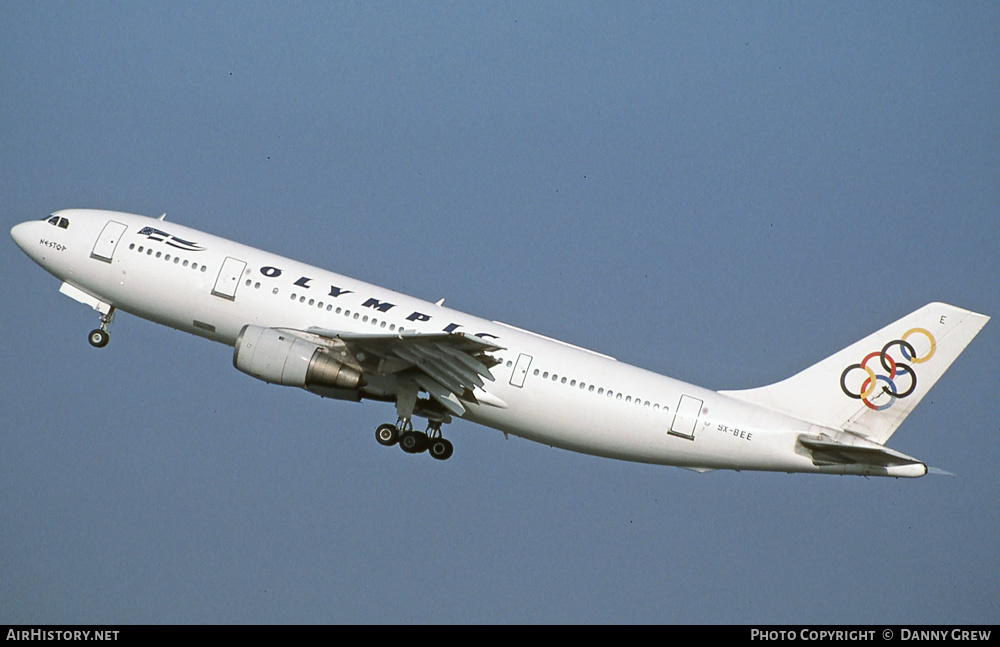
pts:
[448, 364]
[472, 364]
[446, 397]
[442, 375]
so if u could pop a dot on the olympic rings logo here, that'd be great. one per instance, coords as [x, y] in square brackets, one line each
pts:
[896, 374]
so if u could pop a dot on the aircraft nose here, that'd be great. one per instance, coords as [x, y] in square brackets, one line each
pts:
[21, 235]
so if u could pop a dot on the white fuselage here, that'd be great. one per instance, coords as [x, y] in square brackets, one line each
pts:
[544, 390]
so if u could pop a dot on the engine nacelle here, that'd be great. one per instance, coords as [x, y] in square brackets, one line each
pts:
[283, 358]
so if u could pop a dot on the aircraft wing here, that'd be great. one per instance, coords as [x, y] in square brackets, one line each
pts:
[449, 366]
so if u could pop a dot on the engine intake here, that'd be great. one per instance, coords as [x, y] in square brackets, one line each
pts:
[282, 358]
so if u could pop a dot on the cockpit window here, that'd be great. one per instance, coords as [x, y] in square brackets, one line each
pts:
[62, 223]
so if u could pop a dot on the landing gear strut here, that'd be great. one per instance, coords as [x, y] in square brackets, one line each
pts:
[438, 446]
[99, 337]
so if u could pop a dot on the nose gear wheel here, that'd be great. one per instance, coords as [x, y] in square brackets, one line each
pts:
[99, 337]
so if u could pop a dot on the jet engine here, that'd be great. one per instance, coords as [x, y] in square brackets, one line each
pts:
[280, 357]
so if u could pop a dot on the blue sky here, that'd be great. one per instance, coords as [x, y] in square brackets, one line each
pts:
[723, 193]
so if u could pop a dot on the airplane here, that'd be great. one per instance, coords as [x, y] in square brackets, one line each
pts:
[296, 325]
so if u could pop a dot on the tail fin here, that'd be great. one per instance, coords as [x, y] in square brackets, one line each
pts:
[871, 386]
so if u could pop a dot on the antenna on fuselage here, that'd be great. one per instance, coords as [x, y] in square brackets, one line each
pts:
[163, 217]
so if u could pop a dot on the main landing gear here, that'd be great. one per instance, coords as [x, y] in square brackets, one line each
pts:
[410, 441]
[414, 442]
[99, 337]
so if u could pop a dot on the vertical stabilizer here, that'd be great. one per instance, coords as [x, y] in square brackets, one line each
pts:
[871, 386]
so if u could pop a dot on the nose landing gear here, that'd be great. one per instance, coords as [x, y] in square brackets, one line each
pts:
[99, 337]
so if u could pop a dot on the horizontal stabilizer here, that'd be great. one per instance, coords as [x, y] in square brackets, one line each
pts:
[830, 452]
